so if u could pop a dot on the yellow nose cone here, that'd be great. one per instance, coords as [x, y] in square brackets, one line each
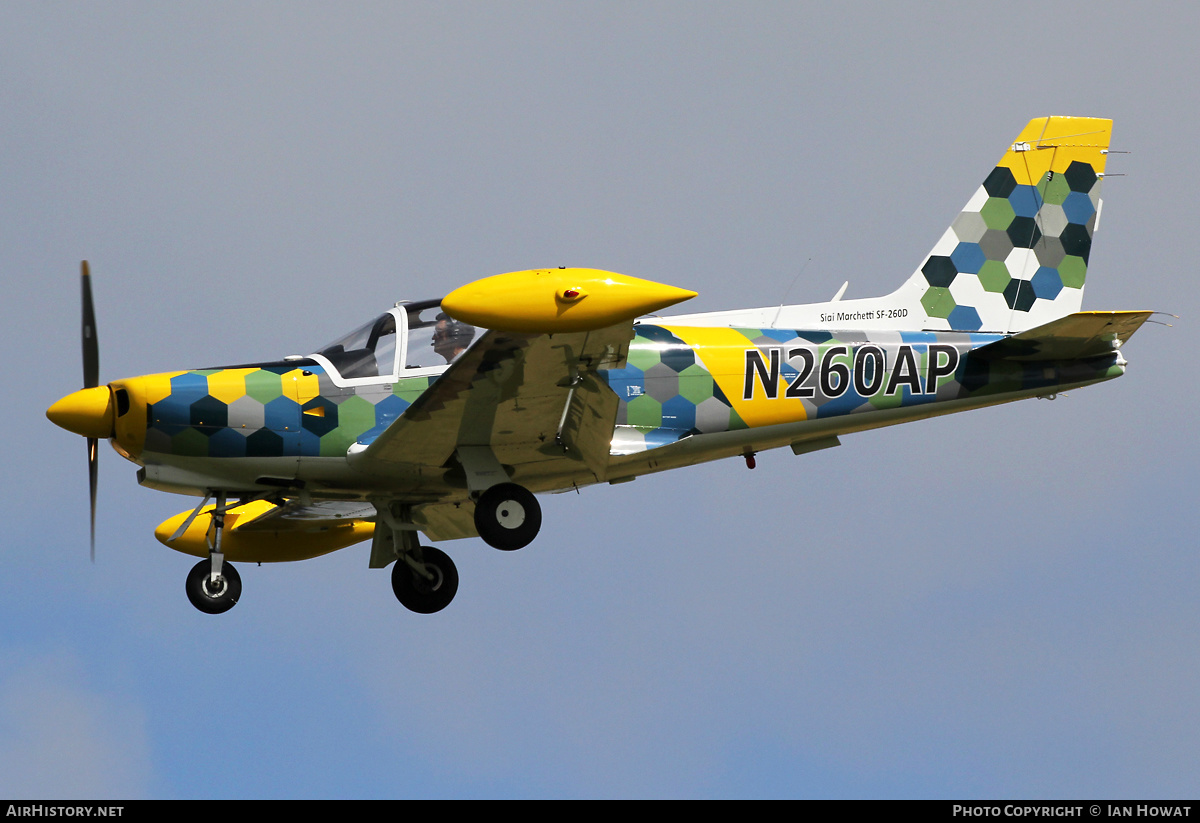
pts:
[548, 301]
[88, 412]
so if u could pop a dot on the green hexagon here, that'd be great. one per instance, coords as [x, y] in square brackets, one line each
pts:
[190, 443]
[1054, 191]
[643, 357]
[1073, 271]
[938, 301]
[644, 411]
[264, 386]
[410, 388]
[997, 213]
[993, 276]
[695, 384]
[355, 416]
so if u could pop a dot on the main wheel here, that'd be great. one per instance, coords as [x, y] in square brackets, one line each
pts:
[214, 598]
[508, 517]
[423, 596]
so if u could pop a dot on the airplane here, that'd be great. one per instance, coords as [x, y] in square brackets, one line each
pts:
[445, 418]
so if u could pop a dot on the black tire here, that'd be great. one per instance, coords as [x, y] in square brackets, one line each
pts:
[210, 601]
[423, 596]
[508, 517]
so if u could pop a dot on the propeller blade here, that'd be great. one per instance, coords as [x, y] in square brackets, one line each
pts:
[91, 346]
[93, 482]
[91, 379]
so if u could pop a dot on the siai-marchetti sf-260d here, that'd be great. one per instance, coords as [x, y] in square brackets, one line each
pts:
[446, 417]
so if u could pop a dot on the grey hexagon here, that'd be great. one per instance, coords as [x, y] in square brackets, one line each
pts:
[995, 244]
[712, 415]
[969, 226]
[662, 382]
[246, 415]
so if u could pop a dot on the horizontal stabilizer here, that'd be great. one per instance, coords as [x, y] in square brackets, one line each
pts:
[1074, 337]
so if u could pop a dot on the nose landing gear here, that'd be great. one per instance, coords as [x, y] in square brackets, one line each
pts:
[213, 586]
[213, 596]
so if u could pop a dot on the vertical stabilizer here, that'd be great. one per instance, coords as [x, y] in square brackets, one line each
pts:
[1016, 256]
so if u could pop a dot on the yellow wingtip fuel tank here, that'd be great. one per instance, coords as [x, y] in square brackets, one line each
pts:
[294, 540]
[548, 301]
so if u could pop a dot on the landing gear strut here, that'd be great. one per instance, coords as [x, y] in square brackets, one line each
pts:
[425, 585]
[213, 585]
[507, 516]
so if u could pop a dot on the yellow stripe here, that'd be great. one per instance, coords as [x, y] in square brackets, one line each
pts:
[723, 352]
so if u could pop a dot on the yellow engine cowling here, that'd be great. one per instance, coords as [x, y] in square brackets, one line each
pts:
[282, 540]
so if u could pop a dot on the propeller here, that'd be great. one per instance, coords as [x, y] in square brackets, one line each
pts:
[91, 379]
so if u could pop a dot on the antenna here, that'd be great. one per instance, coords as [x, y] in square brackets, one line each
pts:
[789, 291]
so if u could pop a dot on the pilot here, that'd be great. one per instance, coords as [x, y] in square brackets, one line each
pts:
[451, 338]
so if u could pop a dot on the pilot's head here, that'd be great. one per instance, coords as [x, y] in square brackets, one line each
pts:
[450, 337]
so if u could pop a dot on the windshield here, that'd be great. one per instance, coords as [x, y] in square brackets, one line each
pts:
[368, 351]
[371, 350]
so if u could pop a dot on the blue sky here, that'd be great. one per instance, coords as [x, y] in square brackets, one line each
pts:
[1000, 603]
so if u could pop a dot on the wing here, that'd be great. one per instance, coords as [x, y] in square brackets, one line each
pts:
[528, 406]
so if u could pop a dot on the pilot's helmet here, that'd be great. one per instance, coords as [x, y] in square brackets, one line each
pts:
[452, 333]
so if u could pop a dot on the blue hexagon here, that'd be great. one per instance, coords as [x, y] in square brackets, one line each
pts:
[1046, 283]
[310, 444]
[281, 414]
[189, 385]
[170, 415]
[390, 407]
[1078, 207]
[1025, 201]
[968, 258]
[626, 383]
[965, 318]
[679, 413]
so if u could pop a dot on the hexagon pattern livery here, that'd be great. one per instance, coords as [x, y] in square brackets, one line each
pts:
[668, 391]
[274, 410]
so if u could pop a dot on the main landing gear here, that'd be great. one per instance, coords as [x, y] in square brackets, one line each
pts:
[507, 516]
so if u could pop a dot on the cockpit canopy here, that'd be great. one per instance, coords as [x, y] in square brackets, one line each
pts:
[412, 336]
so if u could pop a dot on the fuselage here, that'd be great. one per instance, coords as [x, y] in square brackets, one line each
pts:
[687, 394]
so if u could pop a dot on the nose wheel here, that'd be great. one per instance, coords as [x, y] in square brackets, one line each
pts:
[213, 596]
[507, 516]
